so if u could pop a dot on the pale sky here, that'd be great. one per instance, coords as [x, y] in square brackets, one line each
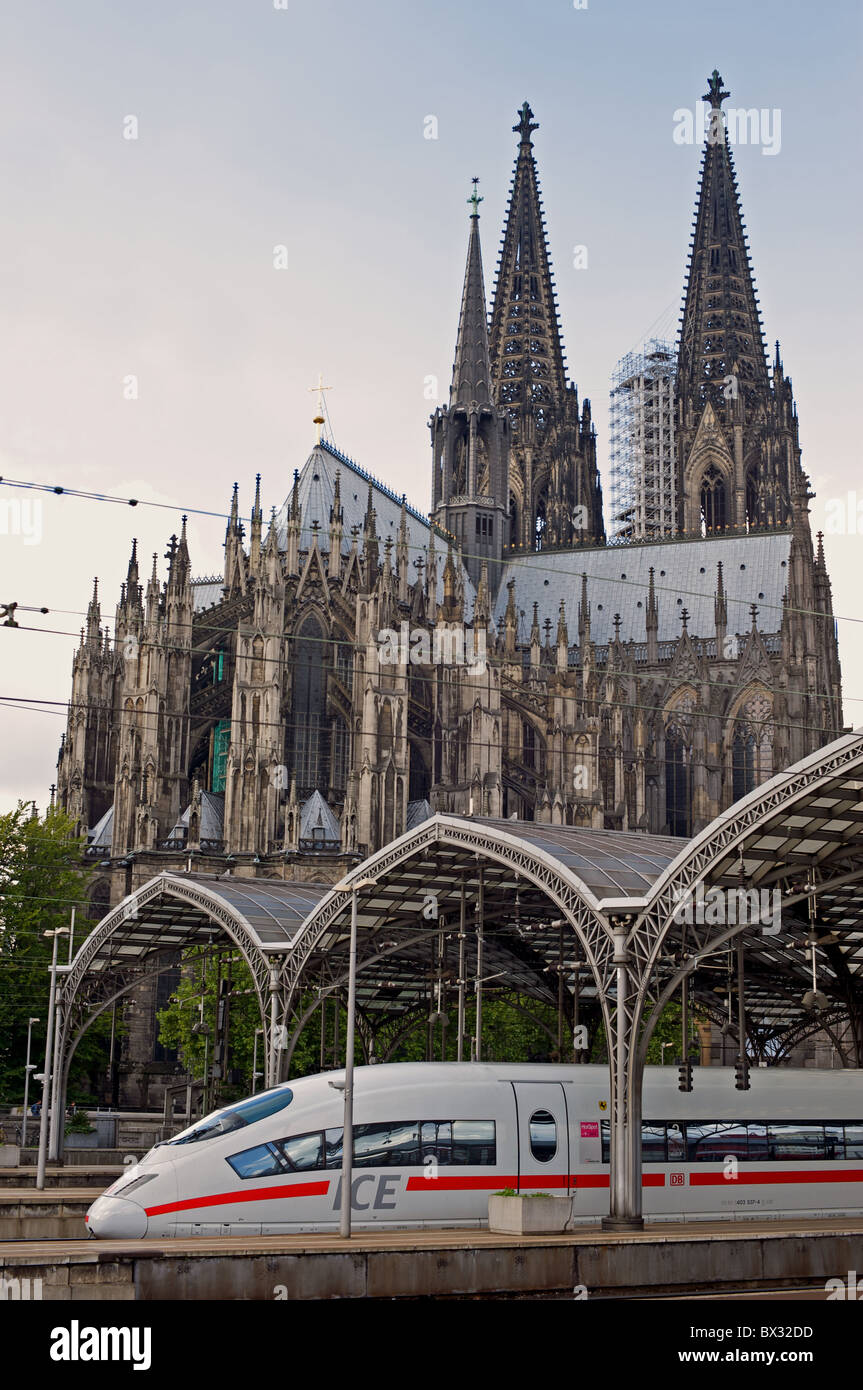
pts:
[304, 127]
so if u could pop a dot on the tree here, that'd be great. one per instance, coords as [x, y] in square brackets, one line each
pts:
[41, 879]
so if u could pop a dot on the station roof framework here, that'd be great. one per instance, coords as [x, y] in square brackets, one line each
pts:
[801, 833]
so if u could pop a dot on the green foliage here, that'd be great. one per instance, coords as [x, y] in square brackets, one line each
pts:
[41, 879]
[667, 1030]
[79, 1124]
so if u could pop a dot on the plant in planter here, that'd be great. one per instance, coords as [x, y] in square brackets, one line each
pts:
[79, 1123]
[528, 1213]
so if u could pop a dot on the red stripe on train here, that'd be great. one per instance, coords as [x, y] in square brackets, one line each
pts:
[256, 1194]
[483, 1184]
[766, 1175]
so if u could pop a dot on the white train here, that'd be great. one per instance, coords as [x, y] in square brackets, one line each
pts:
[433, 1140]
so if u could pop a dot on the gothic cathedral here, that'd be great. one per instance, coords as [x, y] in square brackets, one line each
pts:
[357, 665]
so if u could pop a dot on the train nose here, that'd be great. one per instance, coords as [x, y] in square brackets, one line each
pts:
[113, 1218]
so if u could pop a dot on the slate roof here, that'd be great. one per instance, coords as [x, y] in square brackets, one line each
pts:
[755, 570]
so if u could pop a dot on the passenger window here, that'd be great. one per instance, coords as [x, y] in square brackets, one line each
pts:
[473, 1142]
[386, 1146]
[436, 1140]
[676, 1144]
[333, 1148]
[854, 1141]
[834, 1141]
[712, 1142]
[263, 1161]
[652, 1143]
[796, 1141]
[302, 1152]
[543, 1136]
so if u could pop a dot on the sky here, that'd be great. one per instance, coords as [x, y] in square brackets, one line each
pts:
[162, 162]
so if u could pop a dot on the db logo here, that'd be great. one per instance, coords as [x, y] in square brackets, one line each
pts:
[676, 1179]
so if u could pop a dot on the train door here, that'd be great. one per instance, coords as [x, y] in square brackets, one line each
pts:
[543, 1136]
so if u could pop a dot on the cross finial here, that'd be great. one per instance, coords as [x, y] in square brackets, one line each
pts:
[475, 198]
[753, 609]
[714, 93]
[684, 618]
[526, 124]
[320, 388]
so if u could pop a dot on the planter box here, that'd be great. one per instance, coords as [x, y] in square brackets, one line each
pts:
[10, 1155]
[529, 1216]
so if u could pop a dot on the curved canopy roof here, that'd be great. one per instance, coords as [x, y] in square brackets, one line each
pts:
[800, 834]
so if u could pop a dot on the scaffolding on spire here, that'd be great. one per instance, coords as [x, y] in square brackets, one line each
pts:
[641, 444]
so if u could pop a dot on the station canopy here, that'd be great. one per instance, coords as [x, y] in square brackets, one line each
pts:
[547, 898]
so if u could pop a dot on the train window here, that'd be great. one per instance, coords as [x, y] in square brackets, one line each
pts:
[302, 1151]
[676, 1144]
[796, 1141]
[854, 1141]
[543, 1136]
[263, 1161]
[473, 1142]
[333, 1148]
[248, 1112]
[386, 1145]
[834, 1140]
[711, 1142]
[436, 1140]
[652, 1143]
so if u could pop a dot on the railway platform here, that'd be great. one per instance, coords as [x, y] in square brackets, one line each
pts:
[666, 1257]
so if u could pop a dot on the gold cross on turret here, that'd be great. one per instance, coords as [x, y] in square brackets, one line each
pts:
[320, 388]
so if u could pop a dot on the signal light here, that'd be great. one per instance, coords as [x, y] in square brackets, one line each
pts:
[684, 1074]
[741, 1076]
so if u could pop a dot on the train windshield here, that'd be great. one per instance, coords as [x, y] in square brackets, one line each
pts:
[248, 1112]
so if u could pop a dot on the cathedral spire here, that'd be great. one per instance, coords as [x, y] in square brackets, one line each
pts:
[471, 373]
[94, 618]
[257, 528]
[551, 449]
[525, 287]
[721, 324]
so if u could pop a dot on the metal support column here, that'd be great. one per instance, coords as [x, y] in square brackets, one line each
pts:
[625, 1177]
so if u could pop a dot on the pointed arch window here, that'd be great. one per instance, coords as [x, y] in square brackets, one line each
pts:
[743, 763]
[677, 782]
[714, 501]
[309, 739]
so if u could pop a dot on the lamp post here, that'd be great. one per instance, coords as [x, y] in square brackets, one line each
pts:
[348, 1125]
[259, 1033]
[27, 1070]
[49, 1061]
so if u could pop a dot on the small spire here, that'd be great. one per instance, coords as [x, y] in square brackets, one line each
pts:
[753, 609]
[295, 496]
[562, 634]
[616, 620]
[235, 507]
[714, 94]
[534, 631]
[684, 619]
[526, 124]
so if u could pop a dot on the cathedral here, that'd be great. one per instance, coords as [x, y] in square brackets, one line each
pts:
[265, 719]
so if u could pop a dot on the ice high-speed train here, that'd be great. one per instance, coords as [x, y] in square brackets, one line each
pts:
[433, 1140]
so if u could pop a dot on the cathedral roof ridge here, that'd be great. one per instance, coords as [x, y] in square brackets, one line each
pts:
[371, 478]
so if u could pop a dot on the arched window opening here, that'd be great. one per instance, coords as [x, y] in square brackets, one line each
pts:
[677, 801]
[309, 733]
[743, 764]
[714, 502]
